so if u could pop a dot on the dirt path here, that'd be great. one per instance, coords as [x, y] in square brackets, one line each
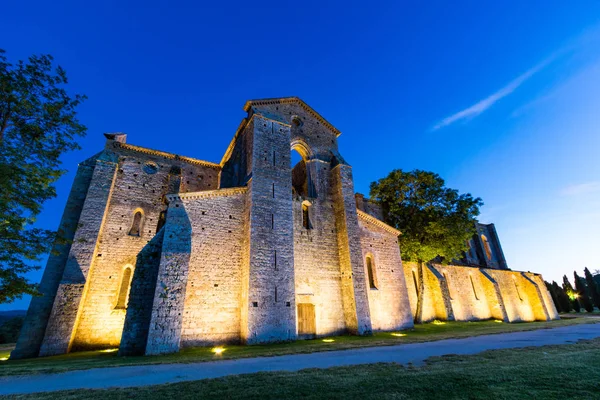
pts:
[415, 353]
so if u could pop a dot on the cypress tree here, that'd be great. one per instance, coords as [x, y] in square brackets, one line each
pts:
[570, 292]
[592, 287]
[563, 299]
[584, 299]
[553, 295]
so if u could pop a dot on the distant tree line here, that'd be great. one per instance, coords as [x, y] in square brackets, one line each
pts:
[585, 295]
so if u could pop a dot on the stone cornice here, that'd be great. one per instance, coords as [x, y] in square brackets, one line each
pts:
[171, 156]
[363, 215]
[296, 100]
[206, 194]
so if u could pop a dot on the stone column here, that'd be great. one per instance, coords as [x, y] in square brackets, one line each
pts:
[164, 334]
[34, 327]
[354, 287]
[268, 303]
[71, 290]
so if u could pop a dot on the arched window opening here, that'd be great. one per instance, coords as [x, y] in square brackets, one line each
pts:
[416, 282]
[448, 284]
[299, 175]
[371, 273]
[136, 224]
[473, 287]
[124, 289]
[306, 215]
[486, 247]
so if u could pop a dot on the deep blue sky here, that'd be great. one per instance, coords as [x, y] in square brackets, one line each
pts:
[392, 77]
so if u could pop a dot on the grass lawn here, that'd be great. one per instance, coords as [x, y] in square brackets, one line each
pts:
[551, 372]
[421, 333]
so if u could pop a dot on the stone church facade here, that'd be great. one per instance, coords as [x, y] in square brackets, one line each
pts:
[167, 251]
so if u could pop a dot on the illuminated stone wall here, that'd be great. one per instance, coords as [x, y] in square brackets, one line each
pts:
[225, 252]
[316, 264]
[478, 294]
[142, 180]
[388, 301]
[38, 315]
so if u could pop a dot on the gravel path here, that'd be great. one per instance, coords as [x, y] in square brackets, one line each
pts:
[416, 353]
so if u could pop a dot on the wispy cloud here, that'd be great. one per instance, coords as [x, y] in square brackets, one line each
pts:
[581, 189]
[489, 101]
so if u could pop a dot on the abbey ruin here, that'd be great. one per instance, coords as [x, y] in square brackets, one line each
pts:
[167, 251]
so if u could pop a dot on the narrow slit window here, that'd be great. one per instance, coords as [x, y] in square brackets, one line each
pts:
[371, 273]
[136, 224]
[473, 286]
[415, 282]
[306, 216]
[162, 218]
[448, 284]
[275, 259]
[124, 289]
[272, 221]
[273, 157]
[518, 291]
[273, 190]
[486, 247]
[275, 294]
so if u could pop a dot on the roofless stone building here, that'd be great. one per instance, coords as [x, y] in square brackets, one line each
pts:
[169, 251]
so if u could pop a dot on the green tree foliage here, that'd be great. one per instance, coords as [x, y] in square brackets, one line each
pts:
[593, 289]
[435, 221]
[38, 123]
[554, 296]
[582, 295]
[563, 299]
[571, 293]
[9, 330]
[596, 276]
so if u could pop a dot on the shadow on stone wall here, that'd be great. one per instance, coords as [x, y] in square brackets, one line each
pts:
[141, 297]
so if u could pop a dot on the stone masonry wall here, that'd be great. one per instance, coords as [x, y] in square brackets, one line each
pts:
[271, 314]
[38, 314]
[388, 303]
[505, 295]
[72, 289]
[143, 179]
[354, 284]
[164, 334]
[316, 258]
[212, 302]
[141, 298]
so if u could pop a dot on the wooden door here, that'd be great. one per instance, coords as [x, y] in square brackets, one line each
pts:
[307, 324]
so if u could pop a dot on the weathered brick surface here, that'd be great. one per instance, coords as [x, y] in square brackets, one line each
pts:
[236, 254]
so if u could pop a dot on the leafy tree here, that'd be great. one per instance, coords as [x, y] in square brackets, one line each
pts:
[571, 293]
[596, 276]
[435, 221]
[582, 295]
[563, 299]
[9, 330]
[38, 123]
[554, 296]
[592, 287]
